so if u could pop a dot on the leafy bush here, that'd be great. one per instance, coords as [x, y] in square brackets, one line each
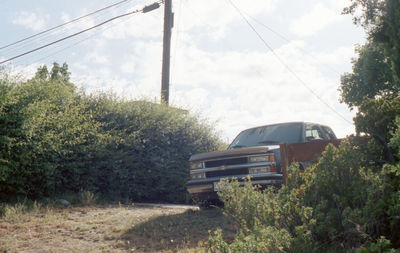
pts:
[382, 245]
[55, 140]
[150, 148]
[262, 239]
[336, 189]
[44, 124]
[352, 195]
[269, 221]
[344, 201]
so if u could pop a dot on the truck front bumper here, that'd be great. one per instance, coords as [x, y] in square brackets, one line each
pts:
[208, 185]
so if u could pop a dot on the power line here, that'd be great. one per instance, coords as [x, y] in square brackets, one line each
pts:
[212, 27]
[61, 25]
[155, 4]
[61, 49]
[44, 37]
[287, 40]
[287, 66]
[76, 43]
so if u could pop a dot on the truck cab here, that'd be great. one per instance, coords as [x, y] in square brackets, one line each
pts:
[254, 153]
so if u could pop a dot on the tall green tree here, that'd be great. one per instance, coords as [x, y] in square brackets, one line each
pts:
[373, 86]
[381, 20]
[374, 89]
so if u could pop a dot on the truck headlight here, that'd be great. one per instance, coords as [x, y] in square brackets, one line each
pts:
[258, 159]
[263, 158]
[258, 170]
[196, 165]
[198, 175]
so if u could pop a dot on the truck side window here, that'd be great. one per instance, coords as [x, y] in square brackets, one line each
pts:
[313, 133]
[329, 133]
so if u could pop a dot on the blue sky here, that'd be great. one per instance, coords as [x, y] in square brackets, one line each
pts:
[220, 69]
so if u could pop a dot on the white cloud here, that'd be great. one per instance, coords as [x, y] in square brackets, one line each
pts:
[252, 88]
[128, 67]
[337, 57]
[29, 20]
[215, 17]
[96, 58]
[235, 87]
[319, 17]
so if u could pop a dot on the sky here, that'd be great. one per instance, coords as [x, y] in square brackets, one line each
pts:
[287, 69]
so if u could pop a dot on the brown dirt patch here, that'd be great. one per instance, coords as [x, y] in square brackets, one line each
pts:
[111, 229]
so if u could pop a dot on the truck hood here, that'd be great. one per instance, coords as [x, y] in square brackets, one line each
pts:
[232, 152]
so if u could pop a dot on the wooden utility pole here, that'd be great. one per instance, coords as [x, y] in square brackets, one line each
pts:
[168, 24]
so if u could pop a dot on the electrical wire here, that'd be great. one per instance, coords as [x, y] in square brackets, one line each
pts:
[76, 43]
[61, 25]
[77, 33]
[42, 37]
[287, 66]
[287, 40]
[63, 48]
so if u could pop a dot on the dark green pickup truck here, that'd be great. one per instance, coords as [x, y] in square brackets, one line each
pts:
[254, 153]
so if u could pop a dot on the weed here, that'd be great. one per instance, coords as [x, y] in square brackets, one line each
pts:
[117, 229]
[87, 198]
[13, 212]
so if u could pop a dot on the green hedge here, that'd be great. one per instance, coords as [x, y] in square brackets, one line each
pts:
[54, 140]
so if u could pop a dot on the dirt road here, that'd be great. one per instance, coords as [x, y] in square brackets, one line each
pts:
[138, 228]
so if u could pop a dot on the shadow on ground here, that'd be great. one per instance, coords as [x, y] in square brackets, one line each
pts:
[188, 230]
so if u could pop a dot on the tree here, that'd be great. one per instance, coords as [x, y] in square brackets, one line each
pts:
[381, 20]
[374, 88]
[374, 85]
[371, 77]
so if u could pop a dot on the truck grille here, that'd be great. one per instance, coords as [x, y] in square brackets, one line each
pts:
[221, 173]
[230, 161]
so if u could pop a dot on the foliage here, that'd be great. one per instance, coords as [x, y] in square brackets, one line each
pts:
[45, 125]
[87, 198]
[351, 197]
[262, 239]
[12, 212]
[337, 205]
[377, 71]
[376, 117]
[381, 19]
[374, 84]
[371, 77]
[269, 221]
[150, 147]
[56, 140]
[395, 140]
[382, 245]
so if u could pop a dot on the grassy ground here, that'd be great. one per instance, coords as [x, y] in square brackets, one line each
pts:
[109, 229]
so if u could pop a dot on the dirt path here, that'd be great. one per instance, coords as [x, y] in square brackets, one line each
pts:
[111, 229]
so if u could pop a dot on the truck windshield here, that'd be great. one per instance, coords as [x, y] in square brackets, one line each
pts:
[268, 135]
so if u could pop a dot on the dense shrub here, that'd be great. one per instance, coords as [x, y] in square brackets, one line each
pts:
[352, 194]
[43, 123]
[269, 221]
[56, 140]
[149, 149]
[343, 202]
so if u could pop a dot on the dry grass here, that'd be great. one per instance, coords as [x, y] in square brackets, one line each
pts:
[110, 229]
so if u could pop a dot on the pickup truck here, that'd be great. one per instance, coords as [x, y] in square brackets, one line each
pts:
[254, 153]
